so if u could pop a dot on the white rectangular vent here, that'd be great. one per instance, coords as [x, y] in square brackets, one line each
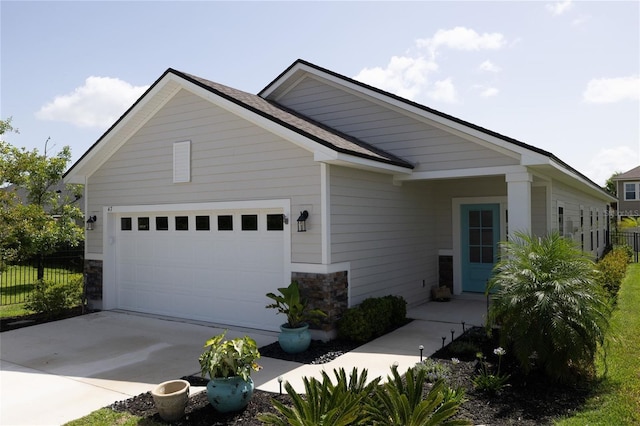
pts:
[182, 162]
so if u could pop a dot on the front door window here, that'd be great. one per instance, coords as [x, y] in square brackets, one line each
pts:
[480, 235]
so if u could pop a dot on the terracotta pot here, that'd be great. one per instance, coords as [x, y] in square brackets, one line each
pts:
[171, 399]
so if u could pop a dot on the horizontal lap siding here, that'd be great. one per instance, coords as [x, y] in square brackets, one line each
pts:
[231, 160]
[572, 200]
[539, 211]
[431, 148]
[382, 230]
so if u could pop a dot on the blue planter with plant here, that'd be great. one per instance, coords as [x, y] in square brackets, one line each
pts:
[294, 334]
[229, 364]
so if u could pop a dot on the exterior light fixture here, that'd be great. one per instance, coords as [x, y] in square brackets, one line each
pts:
[90, 222]
[302, 221]
[285, 219]
[421, 348]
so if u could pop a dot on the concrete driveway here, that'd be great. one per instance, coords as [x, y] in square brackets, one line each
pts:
[57, 372]
[60, 371]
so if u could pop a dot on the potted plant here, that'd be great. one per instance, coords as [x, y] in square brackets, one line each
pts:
[294, 334]
[228, 364]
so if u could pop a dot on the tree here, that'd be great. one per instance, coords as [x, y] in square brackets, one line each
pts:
[550, 304]
[35, 218]
[610, 185]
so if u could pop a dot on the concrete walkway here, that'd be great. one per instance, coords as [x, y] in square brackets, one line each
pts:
[54, 373]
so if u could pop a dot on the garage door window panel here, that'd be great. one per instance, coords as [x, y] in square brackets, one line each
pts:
[275, 222]
[203, 223]
[182, 223]
[143, 224]
[125, 224]
[162, 223]
[249, 222]
[225, 223]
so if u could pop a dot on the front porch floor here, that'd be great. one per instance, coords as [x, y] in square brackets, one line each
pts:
[468, 307]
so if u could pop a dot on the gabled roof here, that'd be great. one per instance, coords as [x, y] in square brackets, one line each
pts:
[631, 174]
[253, 104]
[300, 67]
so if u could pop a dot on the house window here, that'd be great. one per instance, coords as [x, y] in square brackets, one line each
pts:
[125, 224]
[143, 224]
[225, 223]
[162, 223]
[182, 223]
[202, 223]
[182, 162]
[249, 222]
[275, 222]
[561, 220]
[581, 217]
[631, 191]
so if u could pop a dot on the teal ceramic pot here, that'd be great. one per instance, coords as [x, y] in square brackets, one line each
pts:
[229, 394]
[294, 340]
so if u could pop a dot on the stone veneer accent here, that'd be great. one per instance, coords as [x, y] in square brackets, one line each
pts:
[329, 292]
[93, 283]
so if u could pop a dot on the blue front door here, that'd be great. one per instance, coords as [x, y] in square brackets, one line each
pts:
[480, 229]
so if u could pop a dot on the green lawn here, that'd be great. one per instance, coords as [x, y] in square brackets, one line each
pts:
[616, 400]
[16, 282]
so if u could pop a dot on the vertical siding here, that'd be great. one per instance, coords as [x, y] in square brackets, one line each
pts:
[231, 160]
[427, 146]
[384, 232]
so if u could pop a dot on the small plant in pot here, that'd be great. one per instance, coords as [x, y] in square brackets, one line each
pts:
[228, 364]
[294, 334]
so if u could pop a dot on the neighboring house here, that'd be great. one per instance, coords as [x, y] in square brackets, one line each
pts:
[198, 189]
[628, 190]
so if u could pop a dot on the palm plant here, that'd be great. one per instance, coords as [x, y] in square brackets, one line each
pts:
[549, 304]
[325, 403]
[402, 404]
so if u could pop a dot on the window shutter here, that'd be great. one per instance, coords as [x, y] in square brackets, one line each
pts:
[182, 162]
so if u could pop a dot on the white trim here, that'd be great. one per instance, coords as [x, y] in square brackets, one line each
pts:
[109, 288]
[462, 173]
[456, 203]
[325, 211]
[316, 268]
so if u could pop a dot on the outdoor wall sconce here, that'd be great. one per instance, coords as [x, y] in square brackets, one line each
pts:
[302, 221]
[90, 221]
[285, 219]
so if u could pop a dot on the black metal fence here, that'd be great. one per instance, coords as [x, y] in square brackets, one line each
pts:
[631, 239]
[17, 281]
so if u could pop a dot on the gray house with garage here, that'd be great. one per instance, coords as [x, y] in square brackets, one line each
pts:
[207, 197]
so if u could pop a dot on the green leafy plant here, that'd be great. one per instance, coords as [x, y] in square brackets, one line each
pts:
[434, 370]
[372, 318]
[229, 358]
[52, 298]
[402, 402]
[325, 402]
[487, 380]
[612, 268]
[290, 303]
[549, 303]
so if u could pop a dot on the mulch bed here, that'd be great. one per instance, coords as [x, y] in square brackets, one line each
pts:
[527, 400]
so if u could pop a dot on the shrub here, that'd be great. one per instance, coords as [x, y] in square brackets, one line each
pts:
[372, 318]
[434, 370]
[354, 326]
[402, 402]
[52, 298]
[550, 305]
[326, 403]
[613, 268]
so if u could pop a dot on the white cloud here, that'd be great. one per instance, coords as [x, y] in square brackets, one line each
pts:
[97, 103]
[403, 76]
[489, 66]
[489, 92]
[560, 7]
[461, 38]
[609, 90]
[581, 20]
[444, 91]
[608, 161]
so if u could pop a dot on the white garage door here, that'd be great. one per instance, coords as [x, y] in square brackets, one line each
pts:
[213, 266]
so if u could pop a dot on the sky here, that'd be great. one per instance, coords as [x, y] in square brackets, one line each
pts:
[563, 76]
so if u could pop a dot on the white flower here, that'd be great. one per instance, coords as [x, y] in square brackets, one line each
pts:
[499, 351]
[455, 361]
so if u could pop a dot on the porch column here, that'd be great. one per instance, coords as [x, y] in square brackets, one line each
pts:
[519, 201]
